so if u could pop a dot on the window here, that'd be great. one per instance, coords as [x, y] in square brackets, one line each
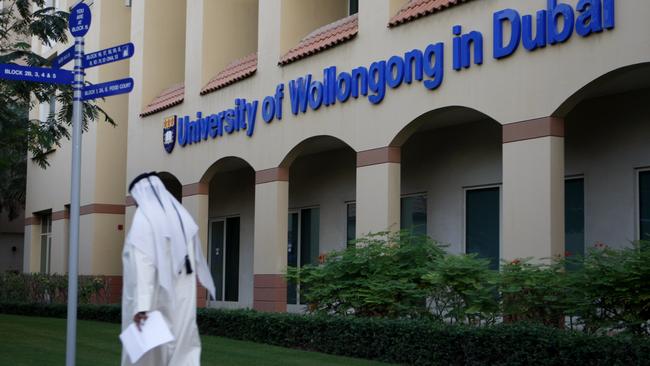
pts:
[482, 216]
[413, 214]
[302, 245]
[224, 258]
[644, 205]
[351, 223]
[353, 6]
[574, 217]
[47, 109]
[46, 241]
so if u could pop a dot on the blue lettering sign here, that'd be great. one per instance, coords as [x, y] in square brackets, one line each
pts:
[79, 20]
[35, 74]
[107, 89]
[112, 54]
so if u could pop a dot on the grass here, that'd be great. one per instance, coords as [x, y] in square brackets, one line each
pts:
[27, 341]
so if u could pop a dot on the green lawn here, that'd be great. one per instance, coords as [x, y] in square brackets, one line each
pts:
[41, 341]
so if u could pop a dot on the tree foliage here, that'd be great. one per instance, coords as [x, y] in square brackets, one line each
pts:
[21, 137]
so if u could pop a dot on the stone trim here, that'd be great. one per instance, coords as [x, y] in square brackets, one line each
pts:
[195, 189]
[278, 174]
[60, 215]
[382, 155]
[102, 208]
[269, 293]
[33, 220]
[533, 129]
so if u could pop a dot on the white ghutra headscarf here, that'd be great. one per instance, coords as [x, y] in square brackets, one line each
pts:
[169, 220]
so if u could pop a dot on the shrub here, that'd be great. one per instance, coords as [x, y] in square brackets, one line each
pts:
[462, 289]
[49, 288]
[404, 341]
[534, 292]
[611, 290]
[381, 275]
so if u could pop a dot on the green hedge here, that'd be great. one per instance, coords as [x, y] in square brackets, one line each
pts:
[400, 341]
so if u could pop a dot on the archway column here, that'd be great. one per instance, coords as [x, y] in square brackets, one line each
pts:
[378, 190]
[270, 240]
[195, 201]
[533, 189]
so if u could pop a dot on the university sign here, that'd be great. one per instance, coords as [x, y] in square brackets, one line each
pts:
[511, 31]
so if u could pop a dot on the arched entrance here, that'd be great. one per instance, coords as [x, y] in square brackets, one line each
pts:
[607, 161]
[451, 180]
[321, 215]
[231, 205]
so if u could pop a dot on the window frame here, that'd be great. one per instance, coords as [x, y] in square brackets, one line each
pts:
[48, 238]
[637, 200]
[347, 212]
[350, 4]
[584, 213]
[464, 214]
[426, 209]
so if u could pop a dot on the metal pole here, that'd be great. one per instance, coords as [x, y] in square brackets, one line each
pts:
[75, 182]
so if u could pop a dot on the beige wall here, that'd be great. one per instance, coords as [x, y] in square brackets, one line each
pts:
[229, 33]
[301, 17]
[162, 46]
[364, 126]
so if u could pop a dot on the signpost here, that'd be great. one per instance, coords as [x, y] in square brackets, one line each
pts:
[111, 54]
[107, 89]
[35, 74]
[105, 56]
[62, 59]
[79, 22]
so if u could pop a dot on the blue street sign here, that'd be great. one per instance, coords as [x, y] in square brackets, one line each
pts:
[35, 74]
[79, 20]
[107, 89]
[62, 59]
[108, 55]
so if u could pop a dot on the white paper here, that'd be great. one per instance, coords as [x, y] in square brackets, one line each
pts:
[154, 333]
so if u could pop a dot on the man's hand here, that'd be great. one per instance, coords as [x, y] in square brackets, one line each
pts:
[139, 319]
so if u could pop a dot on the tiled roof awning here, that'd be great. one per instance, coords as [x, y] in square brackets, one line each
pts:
[237, 70]
[167, 99]
[415, 9]
[323, 38]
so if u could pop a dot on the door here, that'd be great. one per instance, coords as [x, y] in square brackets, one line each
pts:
[224, 257]
[302, 244]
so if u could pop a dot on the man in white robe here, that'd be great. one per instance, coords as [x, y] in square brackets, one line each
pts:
[162, 259]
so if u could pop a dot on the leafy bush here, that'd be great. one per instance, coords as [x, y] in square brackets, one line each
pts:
[391, 275]
[381, 275]
[462, 289]
[534, 292]
[404, 341]
[611, 290]
[49, 288]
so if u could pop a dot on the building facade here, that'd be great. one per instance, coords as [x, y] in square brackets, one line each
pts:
[287, 128]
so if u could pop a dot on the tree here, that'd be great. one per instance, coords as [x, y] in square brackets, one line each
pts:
[20, 136]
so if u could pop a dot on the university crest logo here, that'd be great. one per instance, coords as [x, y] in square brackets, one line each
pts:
[169, 133]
